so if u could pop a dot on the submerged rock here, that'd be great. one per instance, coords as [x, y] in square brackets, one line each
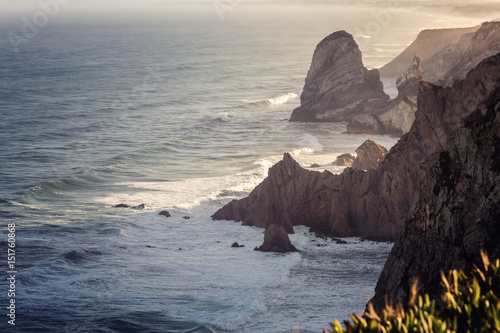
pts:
[165, 213]
[122, 206]
[141, 206]
[338, 87]
[276, 240]
[235, 244]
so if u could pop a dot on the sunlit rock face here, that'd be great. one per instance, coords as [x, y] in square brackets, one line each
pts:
[338, 87]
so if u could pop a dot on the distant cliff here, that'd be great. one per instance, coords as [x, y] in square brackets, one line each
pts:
[455, 60]
[338, 87]
[427, 43]
[371, 203]
[456, 212]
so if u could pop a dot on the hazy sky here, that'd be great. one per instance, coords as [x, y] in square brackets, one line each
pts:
[28, 8]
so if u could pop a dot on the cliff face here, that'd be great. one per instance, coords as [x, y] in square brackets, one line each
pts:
[338, 86]
[427, 43]
[454, 61]
[398, 115]
[374, 203]
[456, 210]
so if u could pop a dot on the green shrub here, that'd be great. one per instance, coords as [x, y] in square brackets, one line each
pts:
[468, 304]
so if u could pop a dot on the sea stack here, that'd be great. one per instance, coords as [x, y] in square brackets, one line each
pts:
[276, 240]
[338, 87]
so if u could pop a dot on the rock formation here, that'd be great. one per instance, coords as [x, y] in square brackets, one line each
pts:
[338, 87]
[276, 240]
[165, 213]
[374, 203]
[344, 160]
[397, 116]
[456, 211]
[427, 43]
[454, 61]
[369, 155]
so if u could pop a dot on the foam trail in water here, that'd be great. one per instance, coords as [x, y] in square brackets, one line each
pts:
[308, 144]
[278, 100]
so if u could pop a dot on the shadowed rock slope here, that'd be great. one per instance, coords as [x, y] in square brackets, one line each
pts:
[373, 203]
[456, 211]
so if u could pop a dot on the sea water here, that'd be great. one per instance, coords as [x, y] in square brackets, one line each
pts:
[183, 114]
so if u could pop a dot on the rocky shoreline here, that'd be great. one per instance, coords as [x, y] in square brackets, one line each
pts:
[436, 192]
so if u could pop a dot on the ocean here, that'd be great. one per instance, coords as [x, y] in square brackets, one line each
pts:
[181, 113]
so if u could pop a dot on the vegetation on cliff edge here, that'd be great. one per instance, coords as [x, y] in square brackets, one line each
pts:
[468, 304]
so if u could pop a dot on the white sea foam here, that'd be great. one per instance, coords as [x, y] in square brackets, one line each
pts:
[224, 117]
[282, 99]
[188, 194]
[278, 100]
[308, 144]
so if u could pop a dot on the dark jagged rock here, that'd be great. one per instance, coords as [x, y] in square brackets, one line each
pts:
[235, 244]
[369, 155]
[371, 204]
[315, 165]
[165, 213]
[397, 116]
[276, 240]
[344, 160]
[456, 211]
[186, 217]
[122, 206]
[338, 87]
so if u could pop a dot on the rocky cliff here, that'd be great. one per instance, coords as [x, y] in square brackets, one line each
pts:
[455, 60]
[397, 116]
[427, 43]
[371, 203]
[456, 212]
[338, 86]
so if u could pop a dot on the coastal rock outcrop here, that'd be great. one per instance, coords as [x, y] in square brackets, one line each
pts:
[456, 211]
[372, 203]
[344, 160]
[398, 115]
[338, 87]
[276, 240]
[369, 155]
